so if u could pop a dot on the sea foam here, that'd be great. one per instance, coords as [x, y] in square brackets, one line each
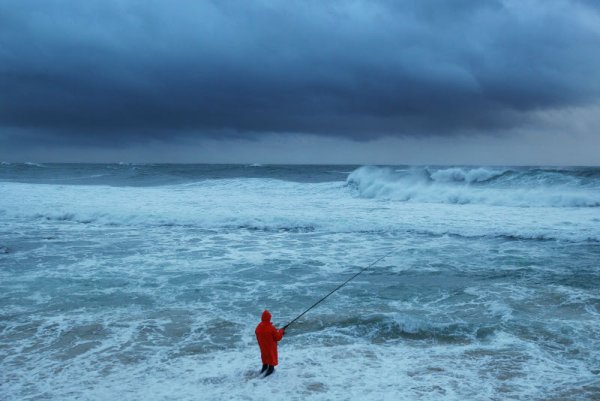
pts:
[144, 286]
[465, 186]
[373, 200]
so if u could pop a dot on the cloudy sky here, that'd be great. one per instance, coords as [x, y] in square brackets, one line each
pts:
[425, 82]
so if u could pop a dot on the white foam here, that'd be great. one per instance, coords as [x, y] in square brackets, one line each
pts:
[277, 205]
[158, 342]
[453, 186]
[359, 371]
[465, 175]
[157, 295]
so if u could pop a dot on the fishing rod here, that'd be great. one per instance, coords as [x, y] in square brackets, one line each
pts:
[340, 286]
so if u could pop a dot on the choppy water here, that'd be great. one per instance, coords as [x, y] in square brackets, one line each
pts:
[146, 282]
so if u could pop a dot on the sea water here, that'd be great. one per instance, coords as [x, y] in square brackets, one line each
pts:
[146, 282]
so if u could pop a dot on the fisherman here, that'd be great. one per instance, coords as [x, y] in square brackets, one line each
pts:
[268, 336]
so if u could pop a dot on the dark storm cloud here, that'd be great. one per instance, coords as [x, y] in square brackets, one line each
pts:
[96, 71]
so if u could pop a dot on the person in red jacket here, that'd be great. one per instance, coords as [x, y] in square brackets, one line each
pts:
[268, 336]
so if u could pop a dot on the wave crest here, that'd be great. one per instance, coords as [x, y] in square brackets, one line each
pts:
[468, 186]
[466, 175]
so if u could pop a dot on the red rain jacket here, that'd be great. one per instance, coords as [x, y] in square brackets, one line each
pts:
[267, 336]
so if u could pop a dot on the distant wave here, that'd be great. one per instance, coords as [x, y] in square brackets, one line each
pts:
[499, 187]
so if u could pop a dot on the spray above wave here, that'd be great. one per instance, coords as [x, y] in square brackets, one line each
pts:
[465, 175]
[497, 187]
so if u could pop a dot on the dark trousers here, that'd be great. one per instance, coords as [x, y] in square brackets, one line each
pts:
[268, 368]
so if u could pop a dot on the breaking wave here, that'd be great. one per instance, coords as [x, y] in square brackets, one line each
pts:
[463, 175]
[498, 187]
[32, 164]
[520, 204]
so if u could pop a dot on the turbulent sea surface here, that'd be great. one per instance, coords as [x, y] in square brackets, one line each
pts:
[145, 282]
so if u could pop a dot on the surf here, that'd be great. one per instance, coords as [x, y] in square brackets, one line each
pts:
[466, 186]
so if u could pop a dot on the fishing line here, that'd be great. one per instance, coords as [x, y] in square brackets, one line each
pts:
[340, 286]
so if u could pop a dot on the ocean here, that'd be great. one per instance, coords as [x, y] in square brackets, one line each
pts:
[146, 282]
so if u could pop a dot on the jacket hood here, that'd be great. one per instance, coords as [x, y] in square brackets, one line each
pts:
[266, 316]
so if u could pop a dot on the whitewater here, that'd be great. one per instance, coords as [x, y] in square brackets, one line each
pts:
[121, 281]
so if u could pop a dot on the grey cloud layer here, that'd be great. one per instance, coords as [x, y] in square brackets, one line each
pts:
[94, 70]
